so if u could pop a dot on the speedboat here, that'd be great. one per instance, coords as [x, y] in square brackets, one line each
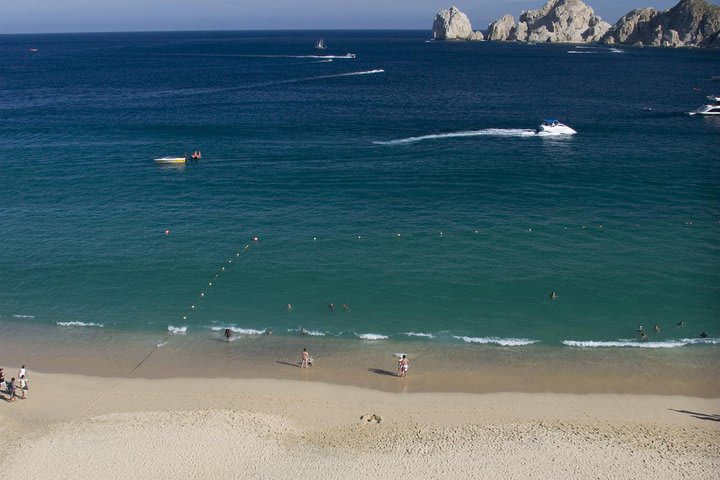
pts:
[551, 126]
[170, 160]
[710, 109]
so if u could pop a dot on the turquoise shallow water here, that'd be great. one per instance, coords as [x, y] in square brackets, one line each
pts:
[456, 238]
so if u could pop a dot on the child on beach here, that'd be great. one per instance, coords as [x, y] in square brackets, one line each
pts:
[404, 365]
[305, 358]
[23, 386]
[23, 374]
[11, 390]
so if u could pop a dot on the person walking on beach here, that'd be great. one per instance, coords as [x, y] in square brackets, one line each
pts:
[404, 365]
[23, 374]
[305, 358]
[23, 386]
[11, 390]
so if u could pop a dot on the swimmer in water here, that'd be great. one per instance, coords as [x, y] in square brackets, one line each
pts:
[681, 323]
[303, 332]
[553, 296]
[703, 335]
[643, 336]
[331, 307]
[656, 328]
[227, 334]
[268, 331]
[346, 307]
[289, 307]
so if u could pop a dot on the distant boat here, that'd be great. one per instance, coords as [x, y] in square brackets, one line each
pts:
[33, 50]
[320, 45]
[710, 109]
[170, 160]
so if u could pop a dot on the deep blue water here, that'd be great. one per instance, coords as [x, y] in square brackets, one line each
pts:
[622, 220]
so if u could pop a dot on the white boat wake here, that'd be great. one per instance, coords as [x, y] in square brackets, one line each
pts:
[488, 132]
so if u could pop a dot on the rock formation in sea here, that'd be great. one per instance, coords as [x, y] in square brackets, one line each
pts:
[689, 23]
[557, 21]
[501, 29]
[452, 24]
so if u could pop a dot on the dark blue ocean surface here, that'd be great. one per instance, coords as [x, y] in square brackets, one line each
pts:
[457, 238]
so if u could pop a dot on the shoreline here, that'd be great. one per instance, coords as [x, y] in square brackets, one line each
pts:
[434, 367]
[74, 426]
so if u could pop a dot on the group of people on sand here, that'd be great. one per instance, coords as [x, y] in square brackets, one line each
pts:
[15, 388]
[643, 335]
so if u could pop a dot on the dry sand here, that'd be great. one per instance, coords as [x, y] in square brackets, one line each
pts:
[78, 427]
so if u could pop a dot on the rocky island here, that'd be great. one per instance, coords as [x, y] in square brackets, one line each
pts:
[693, 23]
[452, 24]
[567, 21]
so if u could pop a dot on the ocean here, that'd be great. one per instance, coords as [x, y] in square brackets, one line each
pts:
[395, 178]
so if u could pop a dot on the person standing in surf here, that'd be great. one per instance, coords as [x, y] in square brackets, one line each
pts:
[404, 365]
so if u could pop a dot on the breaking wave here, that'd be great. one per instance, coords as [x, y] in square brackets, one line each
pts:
[24, 316]
[79, 324]
[177, 330]
[372, 336]
[505, 342]
[420, 334]
[626, 343]
[239, 330]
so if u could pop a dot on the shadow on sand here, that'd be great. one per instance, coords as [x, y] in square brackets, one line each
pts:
[297, 365]
[379, 371]
[713, 417]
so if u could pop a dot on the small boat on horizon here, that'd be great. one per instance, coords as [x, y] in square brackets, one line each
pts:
[320, 45]
[552, 126]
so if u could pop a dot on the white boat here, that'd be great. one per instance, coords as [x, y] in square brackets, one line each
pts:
[551, 126]
[710, 109]
[320, 45]
[170, 160]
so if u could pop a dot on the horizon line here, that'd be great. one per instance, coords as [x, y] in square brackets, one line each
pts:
[224, 30]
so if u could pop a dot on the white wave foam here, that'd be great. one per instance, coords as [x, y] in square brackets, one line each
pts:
[616, 50]
[177, 330]
[161, 344]
[241, 331]
[371, 336]
[624, 343]
[79, 324]
[313, 333]
[488, 132]
[24, 316]
[707, 341]
[505, 342]
[584, 53]
[419, 334]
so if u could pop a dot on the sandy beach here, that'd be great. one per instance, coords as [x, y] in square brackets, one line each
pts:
[78, 427]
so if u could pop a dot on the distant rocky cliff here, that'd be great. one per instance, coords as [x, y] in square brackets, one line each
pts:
[689, 23]
[452, 24]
